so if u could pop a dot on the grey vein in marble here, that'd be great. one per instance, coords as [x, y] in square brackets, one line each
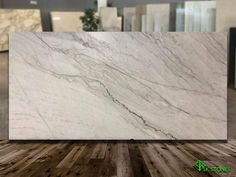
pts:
[118, 86]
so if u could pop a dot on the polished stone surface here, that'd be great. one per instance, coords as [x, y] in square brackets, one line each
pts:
[128, 12]
[133, 19]
[67, 21]
[161, 21]
[200, 16]
[109, 19]
[101, 3]
[3, 95]
[118, 86]
[15, 20]
[179, 21]
[144, 21]
[148, 23]
[152, 18]
[225, 15]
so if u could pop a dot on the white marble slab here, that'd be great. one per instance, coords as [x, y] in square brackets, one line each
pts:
[109, 19]
[144, 23]
[17, 20]
[139, 16]
[147, 23]
[134, 27]
[128, 13]
[161, 22]
[67, 21]
[101, 3]
[225, 15]
[118, 86]
[200, 16]
[180, 14]
[152, 18]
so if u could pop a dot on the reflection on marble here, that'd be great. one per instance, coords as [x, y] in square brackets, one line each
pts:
[15, 20]
[3, 95]
[67, 21]
[109, 19]
[118, 86]
[200, 16]
[225, 15]
[128, 12]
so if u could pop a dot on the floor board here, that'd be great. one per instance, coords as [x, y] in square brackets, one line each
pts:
[113, 159]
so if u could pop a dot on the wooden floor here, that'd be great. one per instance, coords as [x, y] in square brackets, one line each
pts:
[113, 159]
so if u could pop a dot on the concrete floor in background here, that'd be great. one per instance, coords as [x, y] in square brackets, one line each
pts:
[4, 102]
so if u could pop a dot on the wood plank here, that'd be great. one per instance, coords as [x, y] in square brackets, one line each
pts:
[170, 159]
[155, 163]
[138, 165]
[28, 160]
[123, 161]
[109, 163]
[71, 158]
[11, 155]
[99, 151]
[48, 166]
[218, 151]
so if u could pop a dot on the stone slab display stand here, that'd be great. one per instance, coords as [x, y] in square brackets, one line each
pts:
[99, 85]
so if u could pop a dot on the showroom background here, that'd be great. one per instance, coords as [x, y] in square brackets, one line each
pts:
[46, 6]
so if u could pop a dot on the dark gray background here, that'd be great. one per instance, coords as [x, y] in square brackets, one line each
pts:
[71, 5]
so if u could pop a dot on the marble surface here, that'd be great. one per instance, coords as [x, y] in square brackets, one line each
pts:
[128, 12]
[147, 23]
[109, 19]
[152, 18]
[161, 18]
[179, 20]
[15, 20]
[134, 27]
[139, 16]
[101, 3]
[225, 15]
[4, 95]
[144, 23]
[67, 21]
[200, 16]
[118, 86]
